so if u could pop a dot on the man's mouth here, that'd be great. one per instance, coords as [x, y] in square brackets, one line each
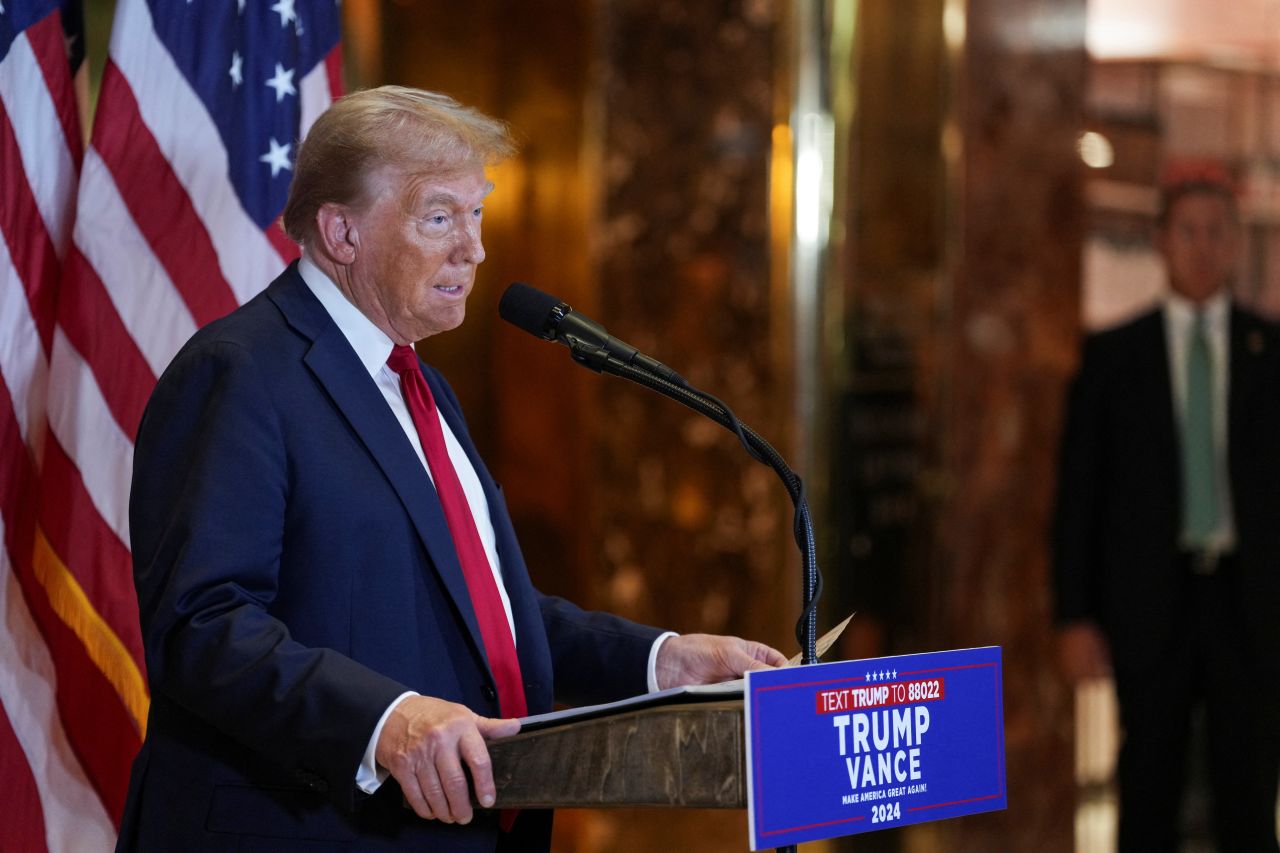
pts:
[450, 289]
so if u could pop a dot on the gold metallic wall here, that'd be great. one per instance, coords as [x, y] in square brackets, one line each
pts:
[641, 197]
[655, 174]
[1011, 330]
[961, 223]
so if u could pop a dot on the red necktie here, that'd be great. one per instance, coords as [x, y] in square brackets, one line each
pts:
[499, 645]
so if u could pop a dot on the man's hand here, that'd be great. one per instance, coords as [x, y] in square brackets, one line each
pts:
[1083, 652]
[424, 744]
[709, 658]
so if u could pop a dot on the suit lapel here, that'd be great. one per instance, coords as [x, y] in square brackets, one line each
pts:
[1153, 388]
[1246, 346]
[1250, 375]
[336, 367]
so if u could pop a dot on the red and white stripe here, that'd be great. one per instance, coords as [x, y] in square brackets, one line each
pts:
[160, 246]
[50, 803]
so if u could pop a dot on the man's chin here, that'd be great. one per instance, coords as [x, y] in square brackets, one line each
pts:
[1197, 291]
[442, 320]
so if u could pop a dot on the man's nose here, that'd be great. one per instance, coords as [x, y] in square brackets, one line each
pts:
[470, 248]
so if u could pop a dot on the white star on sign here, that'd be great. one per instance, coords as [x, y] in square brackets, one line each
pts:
[285, 9]
[277, 157]
[236, 70]
[282, 83]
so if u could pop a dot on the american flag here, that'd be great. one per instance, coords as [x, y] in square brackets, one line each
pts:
[201, 106]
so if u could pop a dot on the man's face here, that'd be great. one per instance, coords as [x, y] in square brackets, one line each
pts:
[1200, 244]
[418, 249]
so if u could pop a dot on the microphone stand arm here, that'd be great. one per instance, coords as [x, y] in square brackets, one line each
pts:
[674, 387]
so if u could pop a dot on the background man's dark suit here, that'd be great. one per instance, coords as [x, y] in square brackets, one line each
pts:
[295, 575]
[1174, 637]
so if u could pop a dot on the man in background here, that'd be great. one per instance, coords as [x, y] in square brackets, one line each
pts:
[1166, 541]
[336, 613]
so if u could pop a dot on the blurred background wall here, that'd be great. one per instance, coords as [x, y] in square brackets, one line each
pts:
[876, 228]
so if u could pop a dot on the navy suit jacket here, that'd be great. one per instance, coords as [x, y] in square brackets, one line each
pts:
[1119, 503]
[295, 574]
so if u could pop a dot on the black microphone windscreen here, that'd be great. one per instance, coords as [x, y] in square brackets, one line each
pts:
[527, 307]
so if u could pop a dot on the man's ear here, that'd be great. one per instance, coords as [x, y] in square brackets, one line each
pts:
[339, 237]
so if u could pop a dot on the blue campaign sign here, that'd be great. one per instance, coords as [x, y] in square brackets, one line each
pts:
[841, 748]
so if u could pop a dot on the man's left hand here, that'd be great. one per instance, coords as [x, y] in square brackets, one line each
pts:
[710, 658]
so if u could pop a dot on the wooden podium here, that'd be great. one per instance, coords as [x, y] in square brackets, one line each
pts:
[688, 755]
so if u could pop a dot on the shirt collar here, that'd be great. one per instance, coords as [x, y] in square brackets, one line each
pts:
[371, 344]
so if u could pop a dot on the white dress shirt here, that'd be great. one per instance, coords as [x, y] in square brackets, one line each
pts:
[1179, 322]
[373, 347]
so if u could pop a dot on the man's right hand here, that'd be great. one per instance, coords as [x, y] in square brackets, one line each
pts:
[424, 744]
[1083, 652]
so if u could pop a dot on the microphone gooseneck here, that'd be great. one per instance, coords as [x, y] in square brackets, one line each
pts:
[547, 317]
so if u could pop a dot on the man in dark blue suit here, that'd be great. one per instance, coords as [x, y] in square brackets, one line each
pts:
[322, 659]
[1167, 533]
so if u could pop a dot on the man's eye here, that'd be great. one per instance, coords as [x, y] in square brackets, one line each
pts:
[438, 219]
[478, 212]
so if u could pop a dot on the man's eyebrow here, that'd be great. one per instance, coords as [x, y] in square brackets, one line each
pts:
[451, 199]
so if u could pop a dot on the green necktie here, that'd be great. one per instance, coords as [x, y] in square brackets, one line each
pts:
[1199, 486]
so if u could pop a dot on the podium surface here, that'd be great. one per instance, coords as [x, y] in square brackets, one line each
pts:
[688, 755]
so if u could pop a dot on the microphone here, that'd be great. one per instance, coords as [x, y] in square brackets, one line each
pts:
[545, 316]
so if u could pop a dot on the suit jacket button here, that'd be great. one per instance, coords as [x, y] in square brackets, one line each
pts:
[489, 692]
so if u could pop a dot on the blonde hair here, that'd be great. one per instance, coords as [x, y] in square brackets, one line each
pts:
[419, 131]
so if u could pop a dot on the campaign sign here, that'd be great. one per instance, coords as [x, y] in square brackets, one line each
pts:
[841, 748]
